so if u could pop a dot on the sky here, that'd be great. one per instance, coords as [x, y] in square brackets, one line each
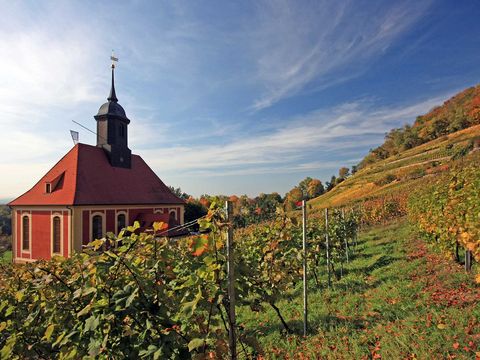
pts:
[227, 97]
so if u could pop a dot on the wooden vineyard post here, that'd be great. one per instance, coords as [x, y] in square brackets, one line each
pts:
[305, 302]
[345, 234]
[327, 245]
[232, 341]
[468, 260]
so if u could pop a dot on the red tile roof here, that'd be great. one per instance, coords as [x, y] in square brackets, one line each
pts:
[84, 176]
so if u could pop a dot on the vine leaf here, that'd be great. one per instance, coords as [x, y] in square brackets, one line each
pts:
[195, 344]
[48, 332]
[198, 245]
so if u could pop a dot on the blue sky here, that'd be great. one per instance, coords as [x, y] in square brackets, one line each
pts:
[227, 97]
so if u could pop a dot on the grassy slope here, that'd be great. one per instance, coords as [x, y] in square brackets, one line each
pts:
[398, 300]
[362, 184]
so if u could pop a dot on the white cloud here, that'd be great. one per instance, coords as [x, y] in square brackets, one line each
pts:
[287, 148]
[296, 46]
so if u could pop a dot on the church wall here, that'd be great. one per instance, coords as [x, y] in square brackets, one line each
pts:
[83, 215]
[41, 234]
[133, 213]
[66, 234]
[111, 221]
[76, 229]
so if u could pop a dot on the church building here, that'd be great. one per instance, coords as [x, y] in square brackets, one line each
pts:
[92, 190]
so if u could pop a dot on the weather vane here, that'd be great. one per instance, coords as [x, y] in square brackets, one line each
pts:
[114, 60]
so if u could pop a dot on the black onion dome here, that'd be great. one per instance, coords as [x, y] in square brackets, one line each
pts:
[111, 108]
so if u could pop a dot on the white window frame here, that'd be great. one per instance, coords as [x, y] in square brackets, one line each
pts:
[29, 215]
[174, 211]
[120, 212]
[54, 215]
[104, 225]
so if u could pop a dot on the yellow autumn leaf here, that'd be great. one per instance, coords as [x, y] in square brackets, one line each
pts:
[159, 226]
[441, 326]
[477, 279]
[48, 332]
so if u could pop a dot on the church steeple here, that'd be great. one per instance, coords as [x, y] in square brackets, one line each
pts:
[113, 96]
[112, 128]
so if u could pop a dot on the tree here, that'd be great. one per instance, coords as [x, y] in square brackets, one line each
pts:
[5, 221]
[194, 210]
[315, 188]
[343, 172]
[178, 191]
[303, 186]
[293, 197]
[331, 184]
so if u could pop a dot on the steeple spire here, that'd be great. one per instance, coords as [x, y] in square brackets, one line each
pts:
[113, 96]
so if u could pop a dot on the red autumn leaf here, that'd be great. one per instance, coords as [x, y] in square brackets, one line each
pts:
[456, 345]
[159, 226]
[198, 245]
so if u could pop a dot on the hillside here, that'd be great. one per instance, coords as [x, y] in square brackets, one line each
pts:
[401, 172]
[459, 112]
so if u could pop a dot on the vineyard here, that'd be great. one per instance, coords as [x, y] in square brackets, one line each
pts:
[147, 296]
[144, 295]
[447, 212]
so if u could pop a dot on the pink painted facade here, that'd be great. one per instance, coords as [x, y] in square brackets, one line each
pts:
[75, 227]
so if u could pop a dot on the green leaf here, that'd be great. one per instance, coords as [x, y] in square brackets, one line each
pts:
[189, 307]
[48, 332]
[72, 354]
[7, 350]
[85, 310]
[94, 347]
[135, 226]
[3, 304]
[158, 354]
[101, 302]
[91, 323]
[9, 311]
[131, 298]
[59, 339]
[195, 344]
[19, 295]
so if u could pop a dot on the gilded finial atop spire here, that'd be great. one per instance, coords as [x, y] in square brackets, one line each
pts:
[113, 96]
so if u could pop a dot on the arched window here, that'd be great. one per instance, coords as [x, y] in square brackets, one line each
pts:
[57, 235]
[172, 221]
[121, 222]
[25, 233]
[97, 227]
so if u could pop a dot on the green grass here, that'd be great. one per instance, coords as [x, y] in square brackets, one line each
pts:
[6, 257]
[397, 300]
